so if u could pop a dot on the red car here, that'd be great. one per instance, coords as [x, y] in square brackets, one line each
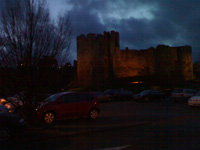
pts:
[68, 105]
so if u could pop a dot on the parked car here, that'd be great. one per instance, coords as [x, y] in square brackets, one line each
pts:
[10, 124]
[112, 92]
[68, 105]
[3, 108]
[125, 94]
[13, 103]
[119, 94]
[102, 97]
[194, 100]
[149, 95]
[182, 94]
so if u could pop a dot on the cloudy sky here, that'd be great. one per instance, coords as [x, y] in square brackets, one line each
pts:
[140, 23]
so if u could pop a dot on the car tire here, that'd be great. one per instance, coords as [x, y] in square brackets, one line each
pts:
[175, 100]
[109, 99]
[161, 99]
[5, 134]
[49, 117]
[146, 99]
[93, 114]
[190, 106]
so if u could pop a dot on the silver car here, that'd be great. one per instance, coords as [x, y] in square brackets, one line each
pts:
[194, 100]
[182, 94]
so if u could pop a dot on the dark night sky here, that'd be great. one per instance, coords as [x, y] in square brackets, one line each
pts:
[140, 23]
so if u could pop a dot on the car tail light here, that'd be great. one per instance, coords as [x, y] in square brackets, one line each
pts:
[95, 103]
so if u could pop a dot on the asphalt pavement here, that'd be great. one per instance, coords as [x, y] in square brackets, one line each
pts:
[121, 125]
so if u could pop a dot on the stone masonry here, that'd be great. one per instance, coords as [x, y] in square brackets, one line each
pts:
[99, 60]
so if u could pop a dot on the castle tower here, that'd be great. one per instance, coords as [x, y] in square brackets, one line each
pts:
[95, 58]
[174, 62]
[185, 62]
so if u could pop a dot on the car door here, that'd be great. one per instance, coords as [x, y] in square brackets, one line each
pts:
[83, 104]
[155, 95]
[189, 93]
[66, 106]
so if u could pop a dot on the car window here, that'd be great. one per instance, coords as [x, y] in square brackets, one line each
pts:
[154, 92]
[68, 98]
[178, 91]
[198, 94]
[53, 97]
[146, 92]
[83, 97]
[100, 94]
[189, 91]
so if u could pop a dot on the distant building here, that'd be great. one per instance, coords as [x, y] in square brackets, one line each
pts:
[99, 60]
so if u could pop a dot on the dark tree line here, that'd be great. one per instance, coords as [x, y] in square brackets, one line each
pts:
[32, 47]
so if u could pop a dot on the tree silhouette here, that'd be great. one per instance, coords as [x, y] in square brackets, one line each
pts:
[28, 34]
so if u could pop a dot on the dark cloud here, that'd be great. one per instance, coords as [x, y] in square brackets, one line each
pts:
[84, 22]
[141, 23]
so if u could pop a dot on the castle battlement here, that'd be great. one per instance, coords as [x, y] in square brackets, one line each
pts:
[100, 60]
[92, 36]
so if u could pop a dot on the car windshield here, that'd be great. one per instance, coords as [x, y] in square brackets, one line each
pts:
[178, 91]
[197, 94]
[53, 97]
[145, 92]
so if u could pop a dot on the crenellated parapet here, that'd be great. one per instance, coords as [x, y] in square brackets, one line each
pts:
[99, 60]
[97, 37]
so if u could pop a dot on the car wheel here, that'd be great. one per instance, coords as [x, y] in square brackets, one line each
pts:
[49, 117]
[191, 106]
[109, 99]
[5, 134]
[161, 98]
[146, 99]
[93, 114]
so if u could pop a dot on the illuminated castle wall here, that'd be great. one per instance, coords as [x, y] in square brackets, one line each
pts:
[99, 60]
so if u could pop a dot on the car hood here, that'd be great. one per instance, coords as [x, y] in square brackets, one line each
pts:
[195, 97]
[42, 104]
[138, 95]
[141, 94]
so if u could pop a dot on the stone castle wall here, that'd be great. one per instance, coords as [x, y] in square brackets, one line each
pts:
[130, 63]
[99, 60]
[95, 58]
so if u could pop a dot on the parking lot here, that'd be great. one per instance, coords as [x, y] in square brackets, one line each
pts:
[136, 124]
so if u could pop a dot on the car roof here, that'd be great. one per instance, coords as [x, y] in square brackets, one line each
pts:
[63, 93]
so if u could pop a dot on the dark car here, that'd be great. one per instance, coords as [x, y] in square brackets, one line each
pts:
[10, 124]
[149, 95]
[102, 97]
[68, 105]
[119, 94]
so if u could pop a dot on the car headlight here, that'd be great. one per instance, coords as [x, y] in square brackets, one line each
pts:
[8, 105]
[2, 100]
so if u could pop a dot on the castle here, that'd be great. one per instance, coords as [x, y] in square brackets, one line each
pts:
[99, 60]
